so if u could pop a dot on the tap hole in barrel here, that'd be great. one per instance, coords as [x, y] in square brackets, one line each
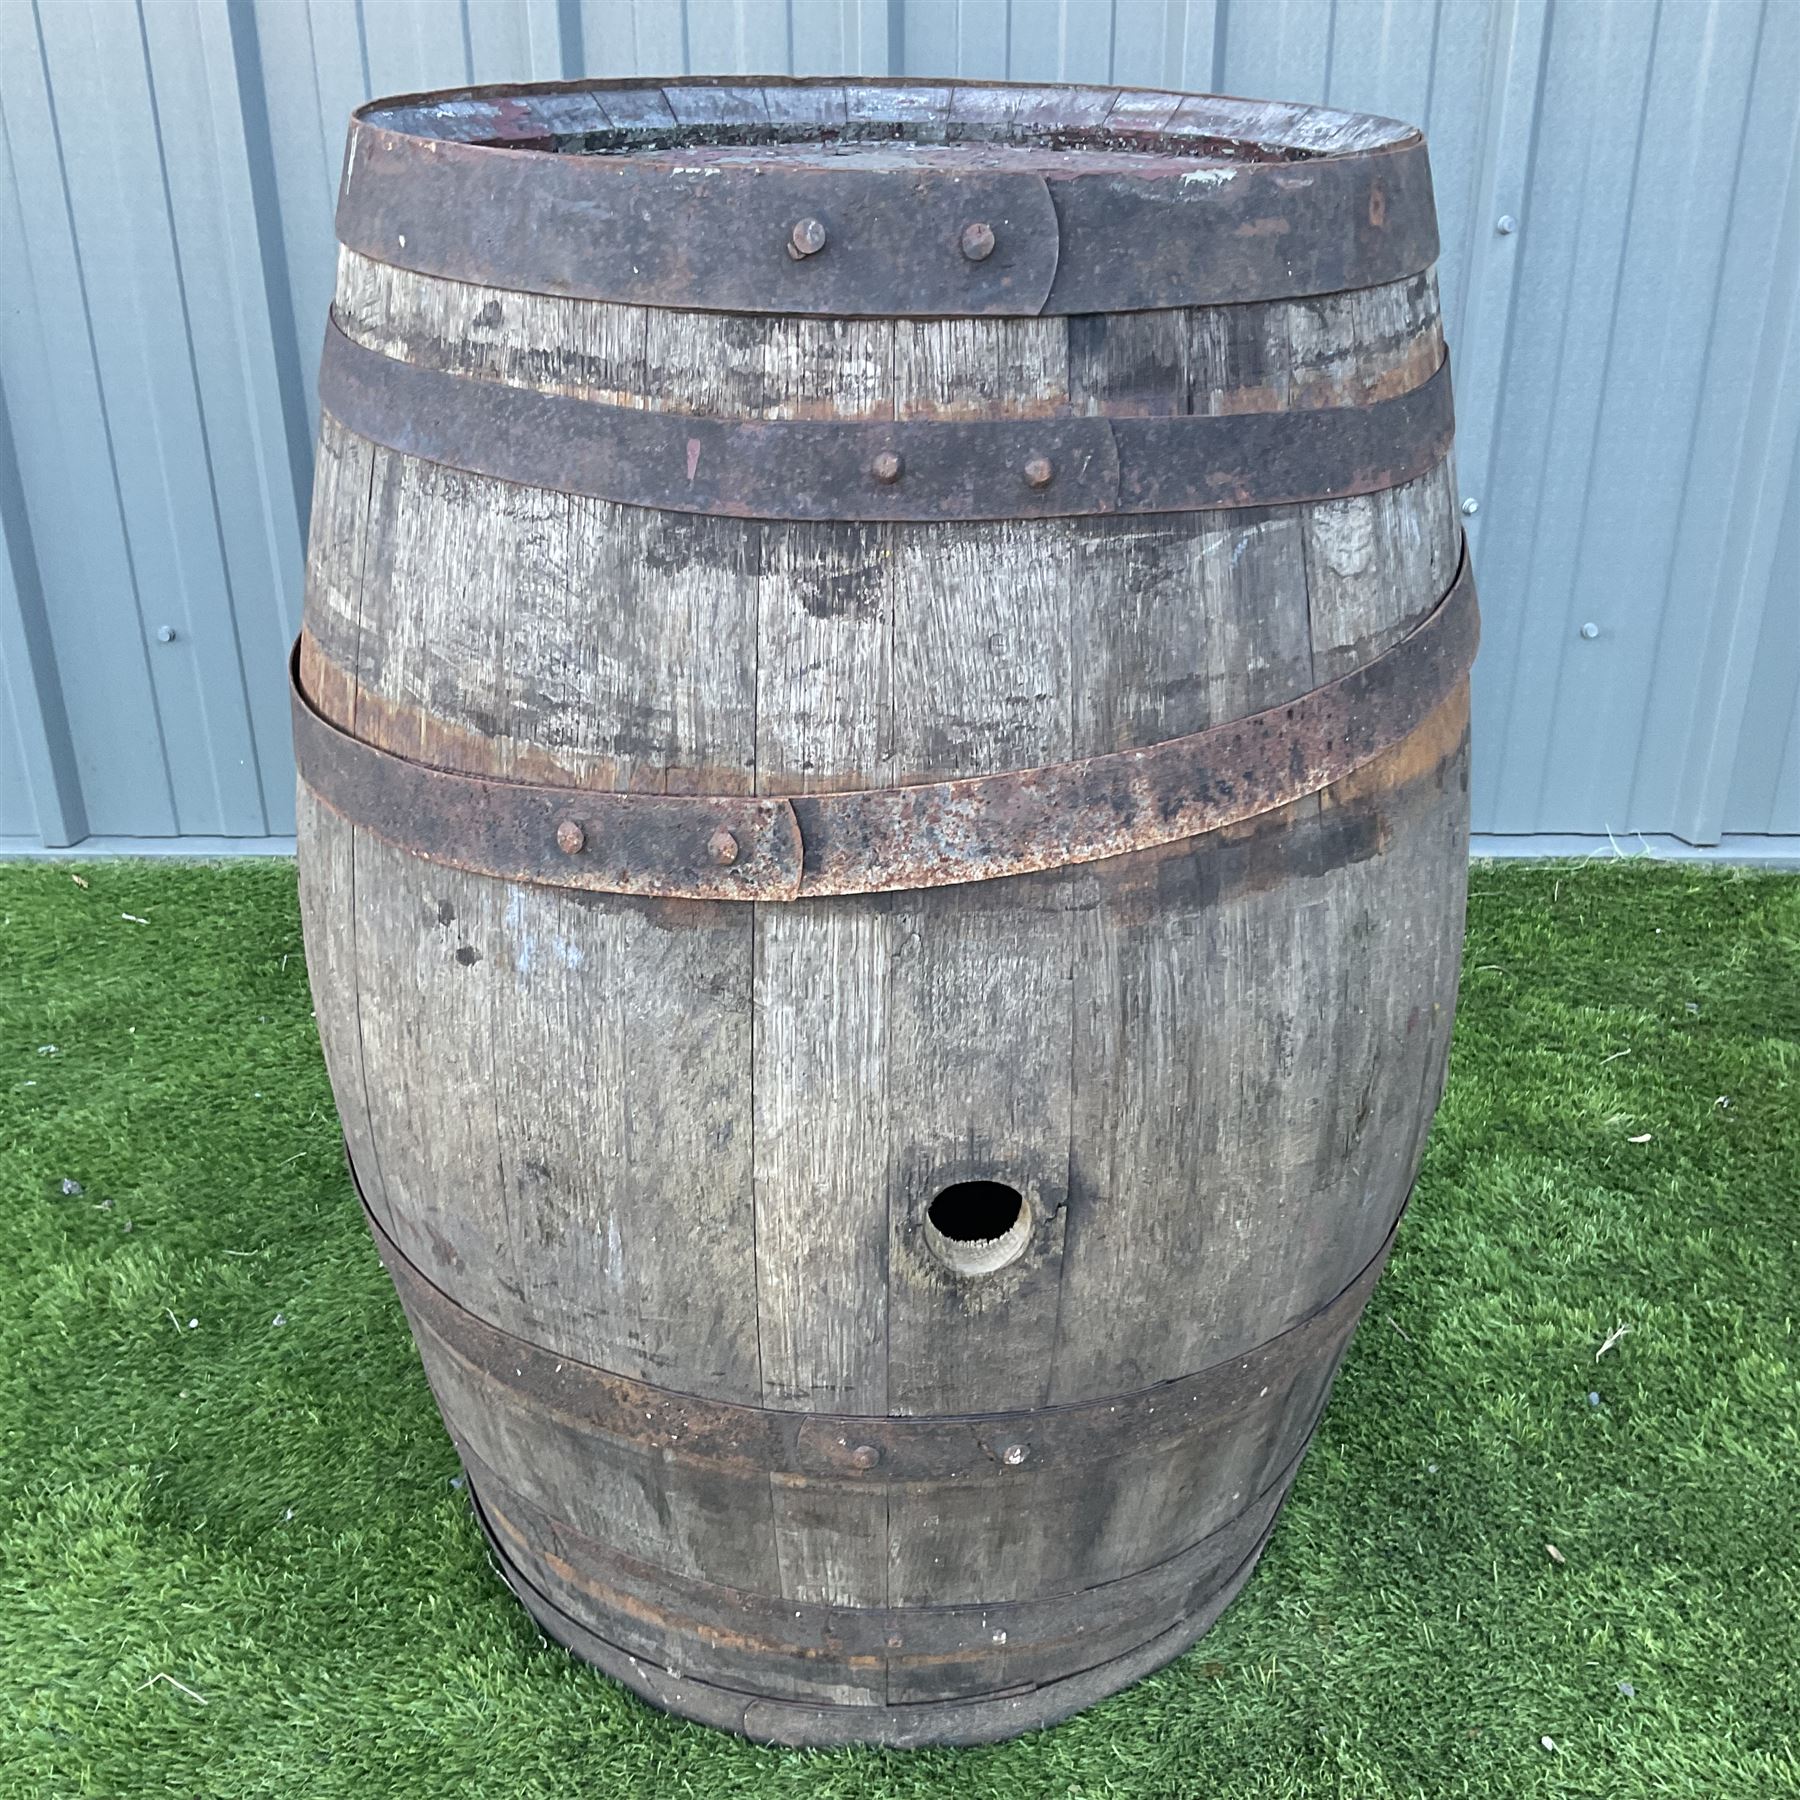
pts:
[976, 1227]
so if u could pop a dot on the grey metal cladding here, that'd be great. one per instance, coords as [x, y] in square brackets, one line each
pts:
[1627, 353]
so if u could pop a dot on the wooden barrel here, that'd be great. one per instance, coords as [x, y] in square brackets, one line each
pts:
[882, 728]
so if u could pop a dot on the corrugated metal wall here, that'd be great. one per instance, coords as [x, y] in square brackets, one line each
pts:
[1627, 357]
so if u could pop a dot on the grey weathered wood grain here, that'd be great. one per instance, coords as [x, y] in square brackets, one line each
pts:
[822, 1125]
[328, 919]
[545, 1203]
[694, 1143]
[1216, 1037]
[822, 1107]
[978, 994]
[342, 482]
[629, 1201]
[681, 1514]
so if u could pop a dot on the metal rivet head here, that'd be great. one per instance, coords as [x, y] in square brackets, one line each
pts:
[571, 840]
[1590, 630]
[1506, 224]
[1471, 506]
[1038, 472]
[722, 847]
[1014, 1454]
[895, 1640]
[806, 239]
[887, 467]
[977, 241]
[864, 1456]
[165, 634]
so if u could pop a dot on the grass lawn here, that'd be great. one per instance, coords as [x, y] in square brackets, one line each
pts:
[234, 1559]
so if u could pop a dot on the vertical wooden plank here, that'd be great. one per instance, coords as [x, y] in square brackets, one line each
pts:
[1368, 344]
[1187, 1068]
[978, 1086]
[1391, 1038]
[517, 628]
[822, 1124]
[980, 368]
[824, 646]
[1185, 620]
[1131, 365]
[1240, 358]
[525, 628]
[1222, 1092]
[979, 982]
[621, 1068]
[424, 982]
[676, 1514]
[336, 551]
[1376, 564]
[824, 655]
[821, 1156]
[330, 925]
[424, 933]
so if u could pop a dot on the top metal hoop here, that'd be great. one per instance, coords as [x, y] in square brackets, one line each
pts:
[885, 199]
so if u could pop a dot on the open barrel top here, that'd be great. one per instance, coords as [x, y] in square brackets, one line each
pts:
[647, 115]
[763, 195]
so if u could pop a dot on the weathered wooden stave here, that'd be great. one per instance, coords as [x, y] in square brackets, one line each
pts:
[434, 600]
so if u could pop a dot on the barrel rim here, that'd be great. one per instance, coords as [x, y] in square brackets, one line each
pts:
[1239, 208]
[506, 108]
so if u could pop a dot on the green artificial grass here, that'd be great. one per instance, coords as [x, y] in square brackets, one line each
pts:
[234, 1559]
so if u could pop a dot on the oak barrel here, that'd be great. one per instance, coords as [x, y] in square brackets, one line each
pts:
[882, 727]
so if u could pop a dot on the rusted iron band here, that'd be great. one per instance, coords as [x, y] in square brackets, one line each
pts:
[906, 1724]
[930, 835]
[492, 187]
[553, 1554]
[691, 846]
[729, 1435]
[884, 470]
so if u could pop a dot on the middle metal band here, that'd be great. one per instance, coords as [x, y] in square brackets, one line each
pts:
[932, 834]
[884, 469]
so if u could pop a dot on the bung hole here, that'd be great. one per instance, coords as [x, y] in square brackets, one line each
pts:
[975, 1212]
[976, 1227]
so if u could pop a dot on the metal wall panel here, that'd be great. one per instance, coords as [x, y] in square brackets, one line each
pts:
[1628, 358]
[1643, 389]
[1765, 778]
